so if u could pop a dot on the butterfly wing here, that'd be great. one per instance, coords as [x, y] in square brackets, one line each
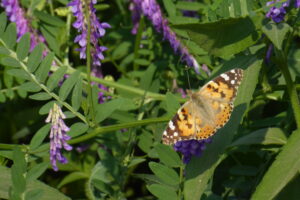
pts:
[207, 111]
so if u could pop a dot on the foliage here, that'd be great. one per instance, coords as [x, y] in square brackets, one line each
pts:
[117, 151]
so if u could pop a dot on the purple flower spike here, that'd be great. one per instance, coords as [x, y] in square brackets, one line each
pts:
[297, 3]
[97, 30]
[277, 14]
[188, 148]
[58, 136]
[16, 14]
[151, 10]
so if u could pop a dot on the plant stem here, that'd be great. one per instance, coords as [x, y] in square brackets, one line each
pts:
[88, 62]
[291, 87]
[100, 130]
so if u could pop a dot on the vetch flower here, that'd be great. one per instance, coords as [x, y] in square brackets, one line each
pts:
[151, 10]
[189, 148]
[97, 29]
[58, 136]
[16, 14]
[297, 3]
[277, 13]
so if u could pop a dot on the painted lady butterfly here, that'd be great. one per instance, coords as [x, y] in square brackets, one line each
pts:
[207, 110]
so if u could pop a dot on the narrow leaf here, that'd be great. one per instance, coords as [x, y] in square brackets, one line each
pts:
[35, 57]
[23, 46]
[54, 78]
[9, 61]
[74, 176]
[10, 35]
[43, 71]
[17, 172]
[77, 95]
[282, 170]
[3, 21]
[39, 137]
[30, 87]
[42, 96]
[20, 73]
[168, 156]
[68, 85]
[36, 171]
[78, 129]
[264, 136]
[106, 109]
[164, 173]
[162, 192]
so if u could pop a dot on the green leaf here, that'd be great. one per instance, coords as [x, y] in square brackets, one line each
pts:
[39, 137]
[168, 156]
[77, 95]
[17, 172]
[78, 129]
[136, 161]
[43, 71]
[30, 87]
[200, 170]
[10, 35]
[282, 170]
[34, 194]
[170, 7]
[192, 6]
[52, 20]
[36, 171]
[9, 61]
[225, 37]
[42, 96]
[3, 21]
[142, 62]
[104, 110]
[266, 136]
[276, 32]
[165, 174]
[23, 46]
[48, 193]
[147, 77]
[162, 192]
[172, 103]
[35, 57]
[74, 176]
[68, 85]
[4, 51]
[56, 77]
[46, 108]
[20, 73]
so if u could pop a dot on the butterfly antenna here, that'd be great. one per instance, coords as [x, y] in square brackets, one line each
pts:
[188, 77]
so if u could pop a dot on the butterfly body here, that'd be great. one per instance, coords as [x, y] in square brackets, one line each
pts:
[207, 110]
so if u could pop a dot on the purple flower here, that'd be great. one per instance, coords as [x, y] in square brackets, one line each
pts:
[277, 13]
[190, 148]
[97, 30]
[297, 3]
[151, 10]
[16, 14]
[58, 136]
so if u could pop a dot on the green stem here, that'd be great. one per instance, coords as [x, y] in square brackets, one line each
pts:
[68, 29]
[88, 63]
[138, 42]
[100, 130]
[291, 87]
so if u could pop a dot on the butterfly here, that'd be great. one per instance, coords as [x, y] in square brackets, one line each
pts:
[208, 109]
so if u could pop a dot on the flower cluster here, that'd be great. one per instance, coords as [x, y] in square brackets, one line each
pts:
[152, 11]
[97, 29]
[58, 136]
[191, 147]
[297, 3]
[16, 14]
[277, 13]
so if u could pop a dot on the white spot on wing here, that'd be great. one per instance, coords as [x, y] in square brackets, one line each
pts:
[175, 134]
[171, 125]
[165, 133]
[225, 76]
[232, 82]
